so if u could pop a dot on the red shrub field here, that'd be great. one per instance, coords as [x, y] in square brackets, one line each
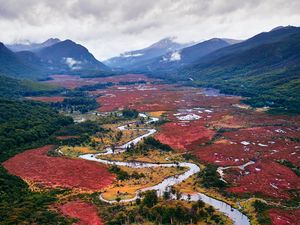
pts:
[47, 99]
[141, 97]
[147, 98]
[34, 165]
[264, 145]
[72, 81]
[238, 147]
[84, 212]
[282, 217]
[264, 177]
[181, 136]
[243, 134]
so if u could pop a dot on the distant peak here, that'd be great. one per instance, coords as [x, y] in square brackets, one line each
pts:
[69, 41]
[282, 27]
[52, 40]
[215, 39]
[163, 42]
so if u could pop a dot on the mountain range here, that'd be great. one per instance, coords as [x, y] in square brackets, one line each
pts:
[12, 64]
[129, 60]
[265, 67]
[36, 61]
[185, 56]
[68, 56]
[33, 46]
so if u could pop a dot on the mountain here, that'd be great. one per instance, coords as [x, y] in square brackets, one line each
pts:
[132, 58]
[68, 56]
[265, 67]
[31, 59]
[33, 46]
[184, 56]
[258, 40]
[12, 64]
[62, 57]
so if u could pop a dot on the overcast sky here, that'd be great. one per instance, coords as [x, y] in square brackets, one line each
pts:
[108, 28]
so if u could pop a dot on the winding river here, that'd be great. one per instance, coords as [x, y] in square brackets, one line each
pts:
[235, 215]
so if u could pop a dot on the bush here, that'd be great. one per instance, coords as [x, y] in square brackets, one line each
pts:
[210, 178]
[130, 113]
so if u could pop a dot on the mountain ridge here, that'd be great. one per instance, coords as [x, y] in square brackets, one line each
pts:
[68, 55]
[61, 57]
[265, 67]
[185, 56]
[129, 59]
[33, 46]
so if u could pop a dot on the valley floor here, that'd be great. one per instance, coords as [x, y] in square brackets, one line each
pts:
[249, 159]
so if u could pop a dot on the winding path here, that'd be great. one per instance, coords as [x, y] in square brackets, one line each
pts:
[235, 215]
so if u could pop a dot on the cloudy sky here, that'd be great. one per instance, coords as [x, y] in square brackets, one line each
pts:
[110, 27]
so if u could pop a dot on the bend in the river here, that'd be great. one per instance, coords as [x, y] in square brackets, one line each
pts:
[235, 215]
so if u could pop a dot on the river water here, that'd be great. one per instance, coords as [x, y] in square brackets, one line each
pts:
[235, 215]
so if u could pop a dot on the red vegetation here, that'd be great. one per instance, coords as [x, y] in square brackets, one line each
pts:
[34, 165]
[264, 145]
[72, 81]
[182, 135]
[147, 98]
[248, 134]
[253, 143]
[47, 99]
[85, 212]
[140, 97]
[282, 217]
[266, 177]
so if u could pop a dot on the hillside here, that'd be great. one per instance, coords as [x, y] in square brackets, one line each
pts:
[15, 88]
[185, 56]
[13, 65]
[69, 56]
[265, 67]
[33, 46]
[55, 57]
[130, 59]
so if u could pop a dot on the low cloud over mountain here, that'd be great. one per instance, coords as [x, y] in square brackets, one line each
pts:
[109, 28]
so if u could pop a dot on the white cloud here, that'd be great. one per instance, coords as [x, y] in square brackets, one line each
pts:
[175, 56]
[72, 63]
[110, 27]
[126, 55]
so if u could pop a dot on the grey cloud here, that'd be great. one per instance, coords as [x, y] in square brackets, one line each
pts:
[109, 27]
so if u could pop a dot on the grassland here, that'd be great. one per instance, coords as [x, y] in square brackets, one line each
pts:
[154, 156]
[127, 189]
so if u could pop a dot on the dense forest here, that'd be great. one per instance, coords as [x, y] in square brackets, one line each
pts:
[24, 125]
[15, 88]
[269, 74]
[82, 104]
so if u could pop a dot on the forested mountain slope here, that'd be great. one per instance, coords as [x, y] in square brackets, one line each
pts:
[266, 68]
